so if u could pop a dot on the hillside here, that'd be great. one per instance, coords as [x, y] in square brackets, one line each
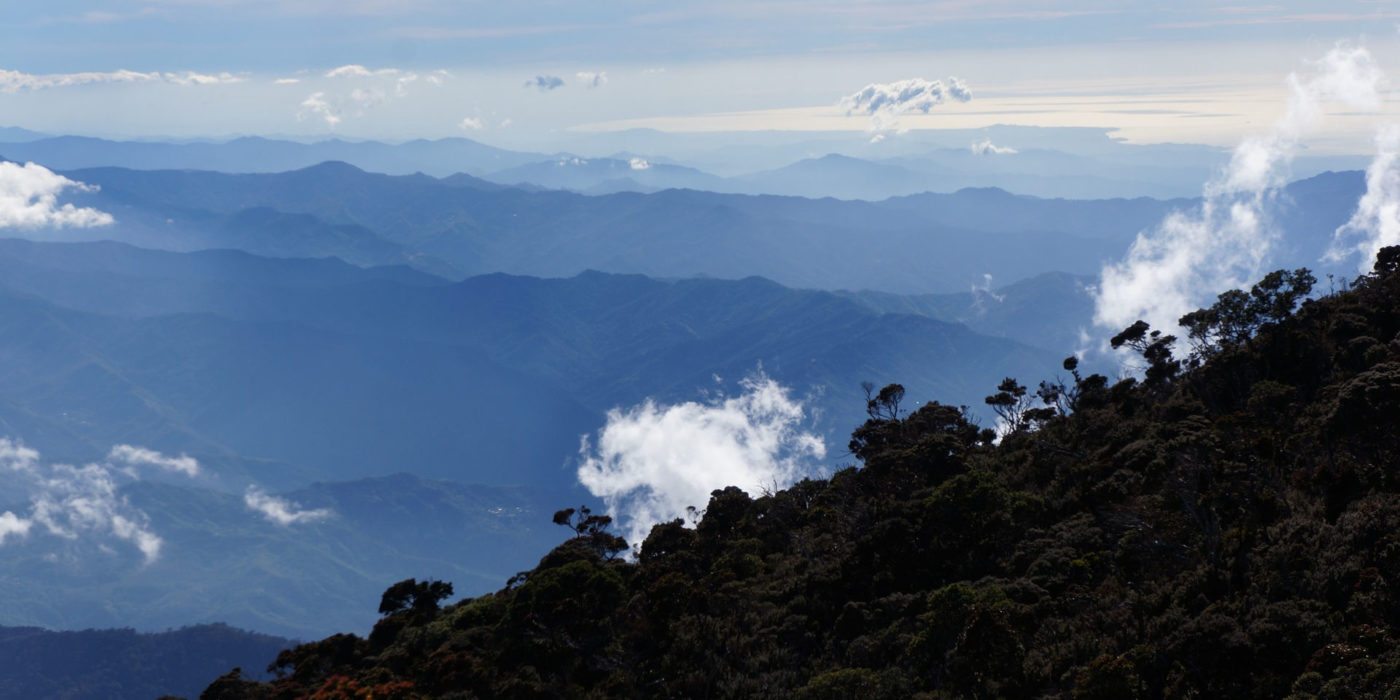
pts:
[1224, 527]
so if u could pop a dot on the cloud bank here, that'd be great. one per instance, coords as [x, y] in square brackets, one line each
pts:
[15, 81]
[29, 199]
[1194, 255]
[279, 510]
[652, 461]
[74, 502]
[1376, 222]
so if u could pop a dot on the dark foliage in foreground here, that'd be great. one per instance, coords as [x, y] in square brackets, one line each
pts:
[1229, 526]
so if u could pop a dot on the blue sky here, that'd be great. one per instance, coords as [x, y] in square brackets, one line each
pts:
[1197, 71]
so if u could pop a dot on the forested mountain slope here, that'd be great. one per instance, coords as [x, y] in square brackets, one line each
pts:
[1227, 526]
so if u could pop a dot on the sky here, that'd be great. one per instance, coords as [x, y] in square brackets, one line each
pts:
[532, 72]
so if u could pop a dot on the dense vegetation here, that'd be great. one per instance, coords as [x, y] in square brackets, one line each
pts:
[1226, 526]
[123, 663]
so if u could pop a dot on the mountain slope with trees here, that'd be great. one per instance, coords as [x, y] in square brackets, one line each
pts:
[1226, 526]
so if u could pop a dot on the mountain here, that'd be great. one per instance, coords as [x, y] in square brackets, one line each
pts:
[253, 154]
[839, 176]
[607, 175]
[1223, 526]
[919, 244]
[122, 664]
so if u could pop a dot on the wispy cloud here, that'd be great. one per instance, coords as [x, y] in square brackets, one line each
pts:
[281, 511]
[318, 106]
[1376, 222]
[652, 461]
[985, 147]
[1194, 255]
[75, 502]
[29, 199]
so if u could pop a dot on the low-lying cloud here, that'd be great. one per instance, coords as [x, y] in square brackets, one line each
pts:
[1192, 256]
[29, 199]
[985, 147]
[75, 502]
[652, 461]
[281, 511]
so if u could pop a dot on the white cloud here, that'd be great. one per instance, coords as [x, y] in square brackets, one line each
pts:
[29, 199]
[287, 81]
[985, 147]
[652, 461]
[317, 106]
[139, 456]
[355, 70]
[74, 502]
[12, 525]
[639, 164]
[1376, 222]
[471, 124]
[591, 79]
[545, 83]
[1194, 255]
[885, 102]
[279, 510]
[14, 81]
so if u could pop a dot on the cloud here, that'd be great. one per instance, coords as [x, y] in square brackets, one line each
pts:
[75, 502]
[139, 456]
[286, 81]
[1376, 222]
[590, 79]
[29, 199]
[471, 124]
[316, 105]
[1192, 256]
[639, 164]
[279, 510]
[884, 103]
[545, 83]
[15, 81]
[652, 461]
[355, 70]
[985, 147]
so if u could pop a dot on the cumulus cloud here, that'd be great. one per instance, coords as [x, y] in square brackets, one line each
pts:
[15, 81]
[1376, 222]
[639, 164]
[591, 79]
[884, 103]
[29, 199]
[471, 124]
[354, 89]
[73, 502]
[545, 83]
[1192, 256]
[134, 456]
[985, 147]
[652, 461]
[280, 510]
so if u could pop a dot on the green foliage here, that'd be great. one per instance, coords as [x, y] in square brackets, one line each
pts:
[1229, 527]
